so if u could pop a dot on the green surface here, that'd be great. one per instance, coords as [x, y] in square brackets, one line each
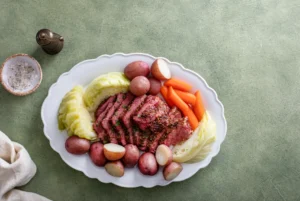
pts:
[247, 50]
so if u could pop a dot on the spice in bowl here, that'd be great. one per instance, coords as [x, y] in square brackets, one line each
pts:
[21, 74]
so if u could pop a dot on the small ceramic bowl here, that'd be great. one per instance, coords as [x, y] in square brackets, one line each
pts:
[21, 74]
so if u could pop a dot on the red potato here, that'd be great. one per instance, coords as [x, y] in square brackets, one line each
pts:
[136, 68]
[113, 152]
[163, 155]
[97, 154]
[114, 168]
[160, 70]
[131, 156]
[76, 145]
[147, 164]
[139, 86]
[172, 170]
[155, 86]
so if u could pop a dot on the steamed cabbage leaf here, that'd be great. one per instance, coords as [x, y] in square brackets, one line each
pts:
[104, 86]
[73, 115]
[198, 146]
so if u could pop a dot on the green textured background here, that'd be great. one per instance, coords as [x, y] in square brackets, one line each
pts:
[247, 50]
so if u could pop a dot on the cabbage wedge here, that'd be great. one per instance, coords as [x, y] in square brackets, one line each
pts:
[198, 146]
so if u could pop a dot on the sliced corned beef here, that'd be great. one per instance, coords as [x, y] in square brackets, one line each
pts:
[154, 140]
[102, 135]
[103, 105]
[179, 131]
[116, 119]
[137, 134]
[184, 131]
[145, 111]
[149, 114]
[152, 116]
[155, 137]
[136, 103]
[162, 118]
[144, 135]
[146, 121]
[106, 124]
[174, 117]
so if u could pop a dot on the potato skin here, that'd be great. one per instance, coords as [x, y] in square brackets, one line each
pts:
[136, 68]
[139, 86]
[76, 145]
[97, 154]
[147, 164]
[156, 71]
[172, 170]
[115, 168]
[131, 156]
[155, 86]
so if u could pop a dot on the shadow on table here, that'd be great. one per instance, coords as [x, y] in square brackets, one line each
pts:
[42, 57]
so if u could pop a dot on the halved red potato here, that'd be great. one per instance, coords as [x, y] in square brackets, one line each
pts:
[114, 168]
[160, 70]
[172, 170]
[163, 155]
[113, 152]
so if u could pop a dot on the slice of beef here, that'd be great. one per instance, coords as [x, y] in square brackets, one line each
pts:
[141, 133]
[102, 135]
[106, 121]
[149, 114]
[174, 114]
[162, 118]
[152, 116]
[137, 102]
[174, 117]
[137, 133]
[103, 105]
[154, 139]
[179, 131]
[144, 136]
[183, 131]
[167, 120]
[116, 119]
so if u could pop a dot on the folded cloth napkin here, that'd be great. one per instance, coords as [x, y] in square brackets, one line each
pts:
[16, 169]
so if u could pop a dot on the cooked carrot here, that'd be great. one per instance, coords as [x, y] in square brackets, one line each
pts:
[178, 102]
[192, 119]
[164, 93]
[178, 84]
[199, 108]
[185, 109]
[187, 97]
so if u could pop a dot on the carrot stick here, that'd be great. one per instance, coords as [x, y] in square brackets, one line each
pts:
[178, 84]
[187, 97]
[199, 109]
[164, 93]
[186, 110]
[178, 102]
[192, 119]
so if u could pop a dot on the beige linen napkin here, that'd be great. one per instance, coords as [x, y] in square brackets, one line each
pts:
[16, 169]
